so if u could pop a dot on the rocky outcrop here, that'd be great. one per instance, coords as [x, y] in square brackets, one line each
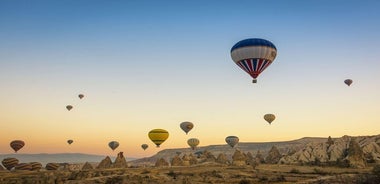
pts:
[259, 158]
[206, 156]
[193, 159]
[161, 162]
[186, 160]
[355, 155]
[105, 163]
[120, 161]
[176, 161]
[222, 159]
[274, 156]
[87, 166]
[238, 158]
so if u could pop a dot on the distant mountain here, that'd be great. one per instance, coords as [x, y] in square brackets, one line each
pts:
[44, 158]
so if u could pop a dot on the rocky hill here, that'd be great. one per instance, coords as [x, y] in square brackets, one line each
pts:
[344, 151]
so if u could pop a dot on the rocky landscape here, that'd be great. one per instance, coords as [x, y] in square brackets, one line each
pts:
[308, 160]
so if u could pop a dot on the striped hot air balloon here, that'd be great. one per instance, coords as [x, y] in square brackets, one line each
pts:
[158, 136]
[52, 166]
[193, 143]
[24, 166]
[9, 163]
[36, 166]
[253, 55]
[17, 145]
[113, 145]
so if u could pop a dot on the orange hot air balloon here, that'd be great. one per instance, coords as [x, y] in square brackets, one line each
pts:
[17, 145]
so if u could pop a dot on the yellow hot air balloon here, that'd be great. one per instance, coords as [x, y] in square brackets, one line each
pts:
[269, 118]
[158, 136]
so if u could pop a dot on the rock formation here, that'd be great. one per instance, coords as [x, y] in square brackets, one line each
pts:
[193, 159]
[105, 163]
[176, 161]
[222, 159]
[120, 161]
[259, 158]
[87, 166]
[161, 162]
[355, 155]
[238, 158]
[274, 156]
[185, 160]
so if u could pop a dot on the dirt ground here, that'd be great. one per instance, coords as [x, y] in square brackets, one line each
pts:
[207, 173]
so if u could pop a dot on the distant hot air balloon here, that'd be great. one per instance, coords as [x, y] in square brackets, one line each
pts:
[36, 166]
[348, 82]
[269, 118]
[253, 55]
[193, 143]
[70, 141]
[24, 166]
[232, 140]
[17, 145]
[81, 96]
[186, 126]
[113, 145]
[51, 166]
[144, 146]
[158, 136]
[69, 107]
[9, 163]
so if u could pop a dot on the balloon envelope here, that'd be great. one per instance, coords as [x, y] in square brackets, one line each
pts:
[186, 126]
[348, 82]
[232, 140]
[193, 143]
[158, 136]
[69, 107]
[17, 145]
[81, 96]
[113, 145]
[269, 118]
[253, 55]
[70, 141]
[144, 146]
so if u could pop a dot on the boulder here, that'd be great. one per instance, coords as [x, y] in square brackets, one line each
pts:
[105, 163]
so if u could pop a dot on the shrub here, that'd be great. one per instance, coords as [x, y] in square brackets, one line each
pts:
[295, 171]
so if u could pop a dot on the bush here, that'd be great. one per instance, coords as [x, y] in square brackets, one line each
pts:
[244, 181]
[376, 170]
[319, 171]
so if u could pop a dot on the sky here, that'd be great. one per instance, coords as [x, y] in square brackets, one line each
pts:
[154, 64]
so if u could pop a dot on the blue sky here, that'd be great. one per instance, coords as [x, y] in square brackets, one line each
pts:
[154, 64]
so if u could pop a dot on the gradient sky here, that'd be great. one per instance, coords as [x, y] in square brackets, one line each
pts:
[154, 64]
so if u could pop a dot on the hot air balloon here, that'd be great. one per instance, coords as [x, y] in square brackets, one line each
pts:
[232, 140]
[269, 118]
[24, 166]
[158, 136]
[186, 126]
[81, 96]
[17, 145]
[253, 55]
[36, 166]
[348, 82]
[69, 107]
[51, 166]
[70, 141]
[193, 143]
[9, 163]
[144, 146]
[113, 145]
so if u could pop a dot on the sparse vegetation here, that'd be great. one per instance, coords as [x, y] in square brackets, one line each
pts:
[294, 171]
